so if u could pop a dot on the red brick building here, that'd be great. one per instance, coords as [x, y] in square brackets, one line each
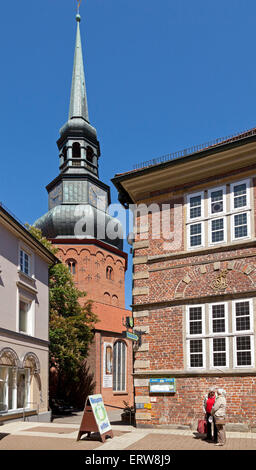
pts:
[194, 281]
[90, 241]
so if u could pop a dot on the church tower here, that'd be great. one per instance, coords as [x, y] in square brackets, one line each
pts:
[90, 240]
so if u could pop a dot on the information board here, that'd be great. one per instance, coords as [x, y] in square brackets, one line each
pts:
[162, 385]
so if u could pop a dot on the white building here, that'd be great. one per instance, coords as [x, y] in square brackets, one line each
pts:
[24, 322]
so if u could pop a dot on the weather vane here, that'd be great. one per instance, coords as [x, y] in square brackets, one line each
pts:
[78, 5]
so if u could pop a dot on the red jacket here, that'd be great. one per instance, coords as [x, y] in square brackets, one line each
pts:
[209, 404]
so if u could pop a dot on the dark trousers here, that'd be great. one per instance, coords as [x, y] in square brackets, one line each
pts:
[209, 429]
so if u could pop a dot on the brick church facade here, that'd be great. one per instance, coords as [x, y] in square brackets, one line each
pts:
[194, 282]
[90, 241]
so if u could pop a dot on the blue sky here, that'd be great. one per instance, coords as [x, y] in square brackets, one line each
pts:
[161, 76]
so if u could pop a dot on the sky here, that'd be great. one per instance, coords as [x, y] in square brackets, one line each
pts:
[161, 76]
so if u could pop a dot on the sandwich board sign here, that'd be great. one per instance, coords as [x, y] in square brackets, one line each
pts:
[95, 418]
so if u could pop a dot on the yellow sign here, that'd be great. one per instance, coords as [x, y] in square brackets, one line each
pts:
[147, 406]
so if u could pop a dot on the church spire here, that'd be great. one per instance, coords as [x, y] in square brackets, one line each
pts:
[78, 101]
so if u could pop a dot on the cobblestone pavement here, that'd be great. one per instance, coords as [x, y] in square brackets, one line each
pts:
[62, 436]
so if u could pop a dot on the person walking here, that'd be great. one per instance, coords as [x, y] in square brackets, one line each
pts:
[209, 401]
[219, 415]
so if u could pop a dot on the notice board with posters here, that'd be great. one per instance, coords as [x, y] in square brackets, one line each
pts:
[95, 418]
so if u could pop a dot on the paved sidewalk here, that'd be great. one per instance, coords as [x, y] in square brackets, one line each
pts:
[62, 436]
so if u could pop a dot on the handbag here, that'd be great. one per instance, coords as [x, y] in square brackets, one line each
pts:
[202, 426]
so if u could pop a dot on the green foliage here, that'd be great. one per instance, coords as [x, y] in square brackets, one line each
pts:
[37, 233]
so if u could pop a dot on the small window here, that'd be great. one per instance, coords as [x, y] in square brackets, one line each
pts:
[107, 298]
[76, 150]
[71, 266]
[25, 262]
[115, 300]
[109, 273]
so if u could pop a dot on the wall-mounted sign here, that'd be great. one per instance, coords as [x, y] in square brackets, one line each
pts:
[131, 336]
[162, 385]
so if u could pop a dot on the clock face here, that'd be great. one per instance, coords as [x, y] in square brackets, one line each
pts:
[55, 196]
[97, 197]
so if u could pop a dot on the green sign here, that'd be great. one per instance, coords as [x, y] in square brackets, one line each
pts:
[100, 413]
[131, 336]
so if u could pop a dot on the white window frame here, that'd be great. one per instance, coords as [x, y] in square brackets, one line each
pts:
[30, 315]
[210, 306]
[241, 332]
[223, 212]
[195, 247]
[236, 366]
[248, 205]
[248, 216]
[226, 338]
[189, 196]
[191, 337]
[25, 249]
[210, 242]
[195, 336]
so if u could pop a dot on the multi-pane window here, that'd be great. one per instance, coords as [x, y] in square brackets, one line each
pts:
[25, 262]
[195, 235]
[242, 316]
[219, 352]
[196, 353]
[216, 201]
[195, 328]
[240, 195]
[241, 225]
[243, 351]
[217, 230]
[222, 212]
[195, 206]
[218, 318]
[195, 321]
[223, 329]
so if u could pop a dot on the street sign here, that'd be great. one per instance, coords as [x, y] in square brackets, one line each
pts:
[131, 336]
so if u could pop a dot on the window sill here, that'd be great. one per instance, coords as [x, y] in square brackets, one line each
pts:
[120, 393]
[16, 414]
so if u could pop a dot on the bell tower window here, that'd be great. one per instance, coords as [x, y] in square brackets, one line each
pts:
[76, 150]
[89, 154]
[71, 263]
